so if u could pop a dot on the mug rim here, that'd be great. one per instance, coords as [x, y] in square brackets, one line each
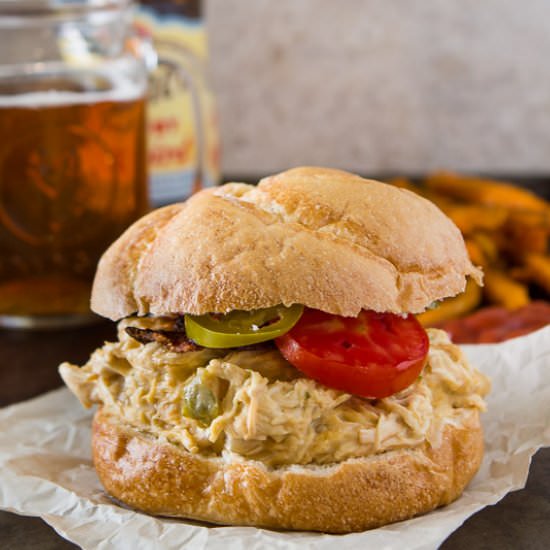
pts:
[28, 10]
[36, 13]
[48, 7]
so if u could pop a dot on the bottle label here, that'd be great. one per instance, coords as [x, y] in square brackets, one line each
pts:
[183, 148]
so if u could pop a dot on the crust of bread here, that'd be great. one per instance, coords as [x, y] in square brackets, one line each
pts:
[323, 238]
[162, 479]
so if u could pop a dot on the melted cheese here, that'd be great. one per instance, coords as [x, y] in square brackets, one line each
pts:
[255, 405]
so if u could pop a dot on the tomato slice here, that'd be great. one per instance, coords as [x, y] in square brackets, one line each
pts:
[373, 355]
[241, 328]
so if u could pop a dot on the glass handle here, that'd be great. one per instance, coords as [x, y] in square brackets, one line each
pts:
[190, 72]
[189, 78]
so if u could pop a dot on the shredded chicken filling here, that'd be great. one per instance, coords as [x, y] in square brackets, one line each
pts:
[253, 404]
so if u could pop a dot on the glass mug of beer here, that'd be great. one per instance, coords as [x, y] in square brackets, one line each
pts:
[72, 152]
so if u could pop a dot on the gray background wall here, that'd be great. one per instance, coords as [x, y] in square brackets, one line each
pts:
[382, 86]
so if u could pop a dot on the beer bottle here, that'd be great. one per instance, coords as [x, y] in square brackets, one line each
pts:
[183, 151]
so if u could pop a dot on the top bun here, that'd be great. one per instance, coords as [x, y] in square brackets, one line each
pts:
[323, 238]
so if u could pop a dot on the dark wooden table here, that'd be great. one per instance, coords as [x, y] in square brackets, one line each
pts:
[28, 368]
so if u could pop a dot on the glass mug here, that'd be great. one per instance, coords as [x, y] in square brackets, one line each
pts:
[73, 174]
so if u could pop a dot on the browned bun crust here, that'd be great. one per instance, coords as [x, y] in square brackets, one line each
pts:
[323, 238]
[358, 494]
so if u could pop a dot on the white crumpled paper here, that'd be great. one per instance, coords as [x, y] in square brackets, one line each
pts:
[46, 470]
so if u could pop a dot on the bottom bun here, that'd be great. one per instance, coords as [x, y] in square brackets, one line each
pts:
[357, 494]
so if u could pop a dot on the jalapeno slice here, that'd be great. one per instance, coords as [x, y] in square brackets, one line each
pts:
[241, 328]
[200, 403]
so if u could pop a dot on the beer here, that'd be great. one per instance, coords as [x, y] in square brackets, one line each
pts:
[72, 178]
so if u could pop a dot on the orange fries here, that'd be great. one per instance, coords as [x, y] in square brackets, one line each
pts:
[484, 191]
[506, 231]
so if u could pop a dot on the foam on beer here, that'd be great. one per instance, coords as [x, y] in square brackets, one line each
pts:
[121, 88]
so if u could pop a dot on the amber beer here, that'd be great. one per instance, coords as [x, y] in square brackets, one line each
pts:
[72, 178]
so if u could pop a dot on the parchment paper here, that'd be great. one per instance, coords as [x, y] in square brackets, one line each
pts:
[46, 471]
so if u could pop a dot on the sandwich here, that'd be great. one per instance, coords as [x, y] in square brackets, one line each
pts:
[269, 369]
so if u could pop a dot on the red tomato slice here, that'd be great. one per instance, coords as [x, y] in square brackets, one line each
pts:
[373, 355]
